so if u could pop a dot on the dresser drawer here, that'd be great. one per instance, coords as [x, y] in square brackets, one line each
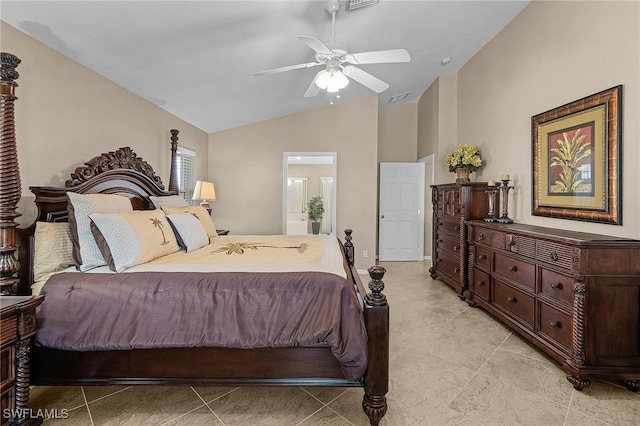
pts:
[519, 271]
[480, 284]
[7, 367]
[448, 242]
[557, 286]
[449, 226]
[555, 254]
[8, 330]
[519, 304]
[481, 236]
[556, 325]
[482, 258]
[448, 264]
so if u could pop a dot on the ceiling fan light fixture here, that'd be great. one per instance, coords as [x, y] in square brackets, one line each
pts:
[332, 81]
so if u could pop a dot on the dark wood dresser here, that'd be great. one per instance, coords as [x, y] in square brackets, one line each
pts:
[453, 204]
[576, 296]
[17, 325]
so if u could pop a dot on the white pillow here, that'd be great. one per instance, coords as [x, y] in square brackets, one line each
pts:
[189, 231]
[168, 201]
[131, 238]
[86, 252]
[200, 213]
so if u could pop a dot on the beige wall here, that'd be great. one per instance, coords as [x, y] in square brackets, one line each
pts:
[437, 123]
[428, 113]
[553, 53]
[66, 114]
[398, 133]
[246, 165]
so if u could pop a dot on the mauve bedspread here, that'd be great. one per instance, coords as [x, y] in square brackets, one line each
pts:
[89, 312]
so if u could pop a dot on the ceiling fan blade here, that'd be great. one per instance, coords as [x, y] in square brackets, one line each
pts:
[289, 68]
[313, 88]
[365, 79]
[316, 45]
[379, 57]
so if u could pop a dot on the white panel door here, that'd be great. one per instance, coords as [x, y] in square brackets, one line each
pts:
[401, 220]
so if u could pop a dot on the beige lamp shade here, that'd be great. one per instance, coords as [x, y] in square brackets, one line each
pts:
[204, 191]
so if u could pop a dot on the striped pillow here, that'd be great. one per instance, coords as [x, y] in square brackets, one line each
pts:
[53, 249]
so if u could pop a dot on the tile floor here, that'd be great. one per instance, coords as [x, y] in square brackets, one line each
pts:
[450, 365]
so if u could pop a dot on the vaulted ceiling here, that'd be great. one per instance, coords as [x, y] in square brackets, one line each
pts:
[197, 59]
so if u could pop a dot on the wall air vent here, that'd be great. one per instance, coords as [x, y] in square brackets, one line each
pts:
[398, 98]
[357, 4]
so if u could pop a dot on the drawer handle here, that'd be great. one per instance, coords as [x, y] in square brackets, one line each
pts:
[556, 286]
[457, 227]
[512, 268]
[555, 324]
[440, 224]
[482, 257]
[554, 256]
[456, 270]
[439, 260]
[480, 237]
[456, 248]
[440, 240]
[511, 299]
[480, 283]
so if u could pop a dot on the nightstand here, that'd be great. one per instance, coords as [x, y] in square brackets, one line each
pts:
[17, 325]
[222, 231]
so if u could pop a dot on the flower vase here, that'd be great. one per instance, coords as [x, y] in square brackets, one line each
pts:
[462, 175]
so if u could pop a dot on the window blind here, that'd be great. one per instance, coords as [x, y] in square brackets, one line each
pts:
[186, 162]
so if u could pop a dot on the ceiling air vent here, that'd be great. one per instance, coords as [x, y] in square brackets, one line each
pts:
[398, 98]
[357, 4]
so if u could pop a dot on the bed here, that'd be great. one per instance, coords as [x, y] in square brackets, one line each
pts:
[123, 173]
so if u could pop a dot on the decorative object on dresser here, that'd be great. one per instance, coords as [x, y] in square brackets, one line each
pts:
[491, 191]
[17, 325]
[453, 204]
[464, 160]
[576, 296]
[504, 196]
[577, 159]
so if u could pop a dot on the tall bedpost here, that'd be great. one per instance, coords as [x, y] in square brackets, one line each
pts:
[10, 189]
[348, 246]
[376, 380]
[173, 175]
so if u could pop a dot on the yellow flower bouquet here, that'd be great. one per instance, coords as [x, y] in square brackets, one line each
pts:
[465, 157]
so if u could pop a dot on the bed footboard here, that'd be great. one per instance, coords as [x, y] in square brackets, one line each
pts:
[376, 381]
[376, 317]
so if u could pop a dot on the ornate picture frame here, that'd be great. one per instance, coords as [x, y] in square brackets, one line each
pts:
[577, 159]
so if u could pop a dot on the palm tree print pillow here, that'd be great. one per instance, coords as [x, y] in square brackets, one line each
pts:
[129, 239]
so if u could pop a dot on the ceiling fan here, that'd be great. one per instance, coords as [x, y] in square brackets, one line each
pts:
[339, 62]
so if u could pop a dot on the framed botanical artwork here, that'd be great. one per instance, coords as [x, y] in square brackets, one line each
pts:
[577, 159]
